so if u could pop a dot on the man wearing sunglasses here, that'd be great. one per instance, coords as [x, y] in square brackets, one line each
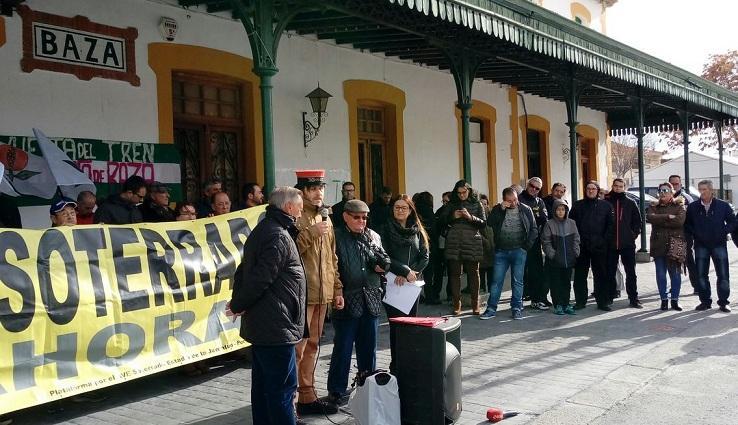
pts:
[594, 218]
[361, 260]
[535, 283]
[123, 207]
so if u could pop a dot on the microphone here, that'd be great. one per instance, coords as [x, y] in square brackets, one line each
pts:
[324, 213]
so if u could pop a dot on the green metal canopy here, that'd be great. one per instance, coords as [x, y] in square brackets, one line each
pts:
[516, 42]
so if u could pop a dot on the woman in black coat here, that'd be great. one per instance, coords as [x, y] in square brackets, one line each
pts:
[465, 219]
[406, 241]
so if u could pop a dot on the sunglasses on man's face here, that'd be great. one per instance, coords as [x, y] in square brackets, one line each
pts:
[359, 217]
[664, 191]
[534, 187]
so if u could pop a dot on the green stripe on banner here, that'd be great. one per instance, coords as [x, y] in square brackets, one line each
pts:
[108, 163]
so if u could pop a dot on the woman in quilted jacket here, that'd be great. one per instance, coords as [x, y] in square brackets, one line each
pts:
[464, 246]
[667, 224]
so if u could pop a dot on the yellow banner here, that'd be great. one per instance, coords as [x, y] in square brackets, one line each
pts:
[87, 307]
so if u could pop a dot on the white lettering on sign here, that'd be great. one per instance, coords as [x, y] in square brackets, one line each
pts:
[78, 47]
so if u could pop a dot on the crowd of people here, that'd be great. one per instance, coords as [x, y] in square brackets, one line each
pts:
[348, 251]
[305, 261]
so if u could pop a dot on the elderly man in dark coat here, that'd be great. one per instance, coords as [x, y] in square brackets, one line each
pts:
[270, 291]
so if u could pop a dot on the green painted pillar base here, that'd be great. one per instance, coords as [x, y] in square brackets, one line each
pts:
[643, 257]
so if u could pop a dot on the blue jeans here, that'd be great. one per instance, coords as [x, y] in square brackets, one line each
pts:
[273, 384]
[719, 257]
[362, 332]
[514, 259]
[675, 274]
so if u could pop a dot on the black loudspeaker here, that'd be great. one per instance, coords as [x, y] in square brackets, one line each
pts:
[427, 364]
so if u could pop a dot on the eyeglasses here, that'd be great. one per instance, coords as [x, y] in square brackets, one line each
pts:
[534, 187]
[592, 188]
[398, 208]
[359, 217]
[664, 190]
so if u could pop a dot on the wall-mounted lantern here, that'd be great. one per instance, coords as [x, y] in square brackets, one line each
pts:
[318, 102]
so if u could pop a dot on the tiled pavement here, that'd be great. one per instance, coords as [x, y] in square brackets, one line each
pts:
[595, 367]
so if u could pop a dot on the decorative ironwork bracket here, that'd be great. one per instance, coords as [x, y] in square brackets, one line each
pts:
[310, 130]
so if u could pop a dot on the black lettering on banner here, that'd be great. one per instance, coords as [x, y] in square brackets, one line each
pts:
[69, 46]
[48, 42]
[126, 266]
[97, 352]
[161, 266]
[109, 53]
[225, 264]
[191, 253]
[240, 230]
[93, 42]
[17, 280]
[60, 312]
[90, 241]
[162, 331]
[215, 326]
[25, 361]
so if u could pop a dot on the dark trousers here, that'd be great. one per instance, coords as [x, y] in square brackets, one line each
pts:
[560, 280]
[472, 279]
[361, 332]
[273, 384]
[628, 257]
[719, 256]
[694, 278]
[598, 262]
[434, 282]
[535, 284]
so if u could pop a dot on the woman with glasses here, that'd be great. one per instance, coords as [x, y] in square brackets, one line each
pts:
[406, 241]
[465, 220]
[667, 235]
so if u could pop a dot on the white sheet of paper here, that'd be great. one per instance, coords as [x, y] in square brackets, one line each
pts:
[402, 297]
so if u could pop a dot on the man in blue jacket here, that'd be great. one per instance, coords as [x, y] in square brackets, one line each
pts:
[709, 221]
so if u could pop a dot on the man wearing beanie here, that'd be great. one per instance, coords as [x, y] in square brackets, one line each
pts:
[594, 218]
[317, 246]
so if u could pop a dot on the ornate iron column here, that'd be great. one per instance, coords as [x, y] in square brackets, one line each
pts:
[639, 110]
[573, 90]
[464, 66]
[718, 126]
[684, 123]
[264, 24]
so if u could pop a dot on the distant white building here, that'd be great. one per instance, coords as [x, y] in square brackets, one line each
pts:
[702, 166]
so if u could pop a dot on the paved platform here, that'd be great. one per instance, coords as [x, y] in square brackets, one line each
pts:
[626, 366]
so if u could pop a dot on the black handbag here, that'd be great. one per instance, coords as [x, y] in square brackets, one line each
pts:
[354, 304]
[373, 297]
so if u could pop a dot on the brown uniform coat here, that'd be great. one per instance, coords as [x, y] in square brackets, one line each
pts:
[314, 248]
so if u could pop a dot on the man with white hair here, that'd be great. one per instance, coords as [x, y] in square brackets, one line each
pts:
[709, 222]
[270, 292]
[535, 284]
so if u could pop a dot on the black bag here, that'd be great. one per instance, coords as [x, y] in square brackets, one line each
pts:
[354, 304]
[373, 297]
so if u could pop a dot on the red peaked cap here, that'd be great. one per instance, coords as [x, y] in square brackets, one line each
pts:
[309, 178]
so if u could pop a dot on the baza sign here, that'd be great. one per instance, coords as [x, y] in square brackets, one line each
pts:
[67, 46]
[77, 46]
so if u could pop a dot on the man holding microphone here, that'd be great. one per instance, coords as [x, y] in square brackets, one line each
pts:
[317, 247]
